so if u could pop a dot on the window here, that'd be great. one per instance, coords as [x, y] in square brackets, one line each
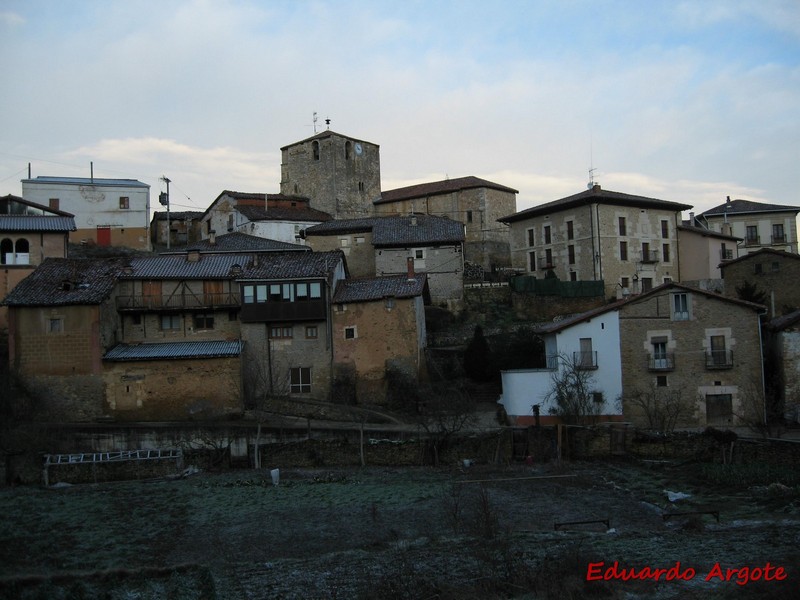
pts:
[661, 381]
[777, 234]
[230, 222]
[623, 250]
[776, 266]
[360, 240]
[204, 321]
[53, 203]
[660, 359]
[136, 319]
[170, 322]
[571, 254]
[585, 359]
[311, 332]
[751, 234]
[347, 148]
[647, 284]
[625, 283]
[665, 252]
[419, 254]
[300, 380]
[573, 276]
[757, 268]
[547, 238]
[645, 252]
[315, 290]
[469, 216]
[233, 315]
[570, 231]
[7, 252]
[719, 357]
[281, 332]
[623, 230]
[665, 229]
[597, 397]
[248, 294]
[548, 257]
[55, 325]
[124, 202]
[275, 292]
[680, 307]
[345, 242]
[530, 237]
[350, 333]
[361, 187]
[315, 149]
[531, 261]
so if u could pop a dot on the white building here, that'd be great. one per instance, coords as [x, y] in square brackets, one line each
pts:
[591, 342]
[108, 212]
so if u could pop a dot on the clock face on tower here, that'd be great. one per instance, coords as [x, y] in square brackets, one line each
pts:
[359, 149]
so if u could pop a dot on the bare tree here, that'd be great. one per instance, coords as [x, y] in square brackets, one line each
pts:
[757, 412]
[572, 390]
[663, 407]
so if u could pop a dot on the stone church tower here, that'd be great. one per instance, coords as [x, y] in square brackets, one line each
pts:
[340, 175]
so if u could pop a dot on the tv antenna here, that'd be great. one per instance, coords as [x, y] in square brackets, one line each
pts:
[314, 121]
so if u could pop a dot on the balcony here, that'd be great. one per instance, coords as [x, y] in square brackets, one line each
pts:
[779, 239]
[142, 303]
[719, 359]
[649, 256]
[661, 362]
[726, 255]
[752, 240]
[545, 264]
[585, 360]
[552, 362]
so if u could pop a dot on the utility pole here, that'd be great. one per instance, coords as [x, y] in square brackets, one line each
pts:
[163, 199]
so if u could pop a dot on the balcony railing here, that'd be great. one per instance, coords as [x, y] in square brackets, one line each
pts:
[778, 239]
[178, 301]
[719, 359]
[585, 360]
[752, 240]
[649, 256]
[661, 362]
[726, 254]
[552, 362]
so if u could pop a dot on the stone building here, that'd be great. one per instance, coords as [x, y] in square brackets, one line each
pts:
[378, 325]
[783, 350]
[475, 202]
[758, 224]
[107, 212]
[183, 228]
[690, 358]
[775, 273]
[629, 242]
[340, 175]
[29, 233]
[381, 246]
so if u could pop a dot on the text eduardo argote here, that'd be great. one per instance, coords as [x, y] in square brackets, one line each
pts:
[600, 571]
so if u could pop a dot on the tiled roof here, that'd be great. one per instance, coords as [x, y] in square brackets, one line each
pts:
[434, 188]
[243, 242]
[87, 181]
[174, 350]
[759, 254]
[178, 266]
[376, 288]
[595, 195]
[52, 223]
[67, 281]
[393, 231]
[748, 206]
[283, 213]
[293, 265]
[161, 215]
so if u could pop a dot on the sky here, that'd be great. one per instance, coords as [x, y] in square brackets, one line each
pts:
[683, 101]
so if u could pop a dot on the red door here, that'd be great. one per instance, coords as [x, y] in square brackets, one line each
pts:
[104, 236]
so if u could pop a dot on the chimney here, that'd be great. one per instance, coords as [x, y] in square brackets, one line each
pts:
[410, 266]
[729, 199]
[193, 256]
[212, 237]
[691, 219]
[413, 220]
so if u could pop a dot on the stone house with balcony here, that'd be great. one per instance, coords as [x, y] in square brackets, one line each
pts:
[587, 343]
[378, 326]
[381, 246]
[272, 216]
[690, 358]
[759, 225]
[776, 273]
[629, 242]
[475, 202]
[107, 212]
[29, 233]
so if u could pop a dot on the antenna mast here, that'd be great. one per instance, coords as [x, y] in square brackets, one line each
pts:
[314, 119]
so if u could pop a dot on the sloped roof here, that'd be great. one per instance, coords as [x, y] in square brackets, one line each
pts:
[178, 266]
[707, 232]
[87, 181]
[740, 206]
[192, 215]
[293, 265]
[283, 213]
[595, 195]
[761, 253]
[326, 134]
[376, 288]
[784, 321]
[434, 188]
[67, 281]
[31, 208]
[243, 242]
[394, 231]
[174, 350]
[47, 223]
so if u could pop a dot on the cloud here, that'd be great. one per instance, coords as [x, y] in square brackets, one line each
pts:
[11, 19]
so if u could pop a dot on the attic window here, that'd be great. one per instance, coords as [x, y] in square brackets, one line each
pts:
[66, 286]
